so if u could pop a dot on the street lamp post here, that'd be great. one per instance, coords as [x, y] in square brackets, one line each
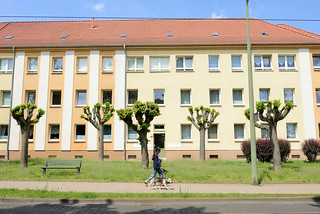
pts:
[251, 105]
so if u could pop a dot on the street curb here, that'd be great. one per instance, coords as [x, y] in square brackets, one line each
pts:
[153, 201]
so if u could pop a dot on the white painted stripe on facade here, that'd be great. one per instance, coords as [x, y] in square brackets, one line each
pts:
[93, 96]
[307, 94]
[119, 103]
[42, 100]
[67, 102]
[17, 98]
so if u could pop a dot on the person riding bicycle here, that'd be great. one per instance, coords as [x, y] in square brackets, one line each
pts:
[157, 168]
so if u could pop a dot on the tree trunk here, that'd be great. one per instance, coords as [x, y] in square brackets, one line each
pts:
[202, 144]
[24, 146]
[276, 149]
[144, 151]
[101, 146]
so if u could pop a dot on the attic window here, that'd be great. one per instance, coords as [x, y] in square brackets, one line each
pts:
[64, 37]
[214, 34]
[123, 35]
[264, 34]
[169, 35]
[9, 37]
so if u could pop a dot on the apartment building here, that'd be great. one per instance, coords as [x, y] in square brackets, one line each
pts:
[63, 66]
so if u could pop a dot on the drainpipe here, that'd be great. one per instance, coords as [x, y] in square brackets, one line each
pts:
[12, 80]
[125, 99]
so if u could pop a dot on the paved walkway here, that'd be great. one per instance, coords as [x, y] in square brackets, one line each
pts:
[130, 187]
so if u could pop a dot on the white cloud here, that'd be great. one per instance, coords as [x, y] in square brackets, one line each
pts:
[98, 7]
[215, 15]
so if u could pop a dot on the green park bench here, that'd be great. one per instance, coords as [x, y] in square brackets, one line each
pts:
[62, 164]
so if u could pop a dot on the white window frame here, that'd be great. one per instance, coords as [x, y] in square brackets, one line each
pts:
[268, 94]
[188, 104]
[2, 98]
[109, 70]
[107, 139]
[318, 100]
[82, 71]
[157, 129]
[295, 131]
[4, 138]
[102, 92]
[237, 68]
[186, 140]
[244, 133]
[242, 95]
[184, 68]
[77, 98]
[135, 68]
[164, 96]
[53, 63]
[50, 130]
[284, 97]
[286, 62]
[132, 90]
[214, 139]
[215, 104]
[31, 130]
[53, 105]
[214, 68]
[263, 67]
[159, 68]
[131, 139]
[33, 70]
[6, 70]
[264, 130]
[316, 67]
[28, 94]
[75, 133]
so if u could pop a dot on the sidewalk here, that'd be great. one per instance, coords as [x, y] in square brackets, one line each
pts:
[130, 187]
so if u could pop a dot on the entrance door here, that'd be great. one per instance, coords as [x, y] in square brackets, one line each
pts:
[159, 142]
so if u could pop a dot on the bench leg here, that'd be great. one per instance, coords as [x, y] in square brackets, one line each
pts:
[43, 171]
[78, 171]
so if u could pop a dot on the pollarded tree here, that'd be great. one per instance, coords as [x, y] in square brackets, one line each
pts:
[18, 113]
[98, 117]
[144, 113]
[273, 114]
[202, 122]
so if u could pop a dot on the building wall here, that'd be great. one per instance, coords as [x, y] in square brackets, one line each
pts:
[315, 85]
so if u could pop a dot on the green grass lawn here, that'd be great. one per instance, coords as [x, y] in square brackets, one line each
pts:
[217, 171]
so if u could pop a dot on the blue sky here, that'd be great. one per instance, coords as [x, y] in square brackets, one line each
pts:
[263, 9]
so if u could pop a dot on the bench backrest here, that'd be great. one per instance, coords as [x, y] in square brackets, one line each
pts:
[62, 163]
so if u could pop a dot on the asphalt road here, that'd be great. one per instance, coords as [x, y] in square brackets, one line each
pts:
[155, 206]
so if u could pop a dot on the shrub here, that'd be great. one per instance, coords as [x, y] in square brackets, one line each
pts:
[311, 149]
[246, 149]
[285, 149]
[264, 150]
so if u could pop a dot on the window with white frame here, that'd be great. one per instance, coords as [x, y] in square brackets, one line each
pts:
[213, 63]
[288, 95]
[107, 64]
[237, 96]
[31, 131]
[107, 96]
[3, 132]
[239, 132]
[286, 63]
[318, 96]
[159, 64]
[262, 62]
[185, 97]
[6, 98]
[236, 63]
[159, 128]
[54, 132]
[291, 131]
[159, 96]
[213, 132]
[81, 98]
[316, 62]
[214, 97]
[32, 65]
[31, 97]
[57, 65]
[80, 133]
[265, 133]
[56, 98]
[132, 134]
[82, 65]
[184, 63]
[107, 132]
[132, 96]
[135, 64]
[264, 95]
[6, 65]
[186, 132]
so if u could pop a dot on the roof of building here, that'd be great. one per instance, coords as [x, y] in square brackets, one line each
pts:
[150, 32]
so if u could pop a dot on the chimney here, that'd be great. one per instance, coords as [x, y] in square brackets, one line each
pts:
[93, 26]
